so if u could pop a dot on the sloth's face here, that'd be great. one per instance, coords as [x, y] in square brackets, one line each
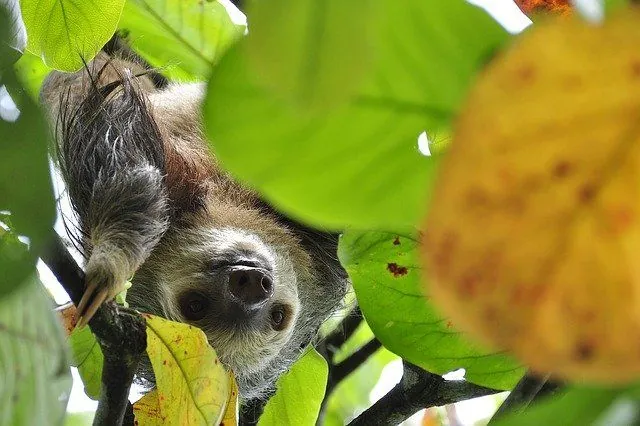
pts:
[258, 286]
[240, 290]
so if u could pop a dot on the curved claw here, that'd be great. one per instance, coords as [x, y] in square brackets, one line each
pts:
[94, 296]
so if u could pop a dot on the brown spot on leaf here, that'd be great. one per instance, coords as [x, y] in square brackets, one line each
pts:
[584, 351]
[469, 283]
[561, 169]
[164, 362]
[397, 270]
[396, 242]
[526, 73]
[635, 68]
[476, 197]
[586, 193]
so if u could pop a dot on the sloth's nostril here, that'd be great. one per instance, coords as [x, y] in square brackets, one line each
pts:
[251, 287]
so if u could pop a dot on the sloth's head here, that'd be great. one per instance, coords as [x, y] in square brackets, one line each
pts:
[257, 284]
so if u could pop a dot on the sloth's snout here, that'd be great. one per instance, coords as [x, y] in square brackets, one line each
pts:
[251, 287]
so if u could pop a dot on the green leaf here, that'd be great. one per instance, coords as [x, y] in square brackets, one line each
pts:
[17, 263]
[79, 419]
[386, 278]
[186, 37]
[87, 356]
[66, 32]
[315, 53]
[25, 183]
[357, 164]
[579, 406]
[299, 393]
[36, 380]
[31, 72]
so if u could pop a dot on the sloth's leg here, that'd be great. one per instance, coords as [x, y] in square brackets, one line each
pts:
[111, 155]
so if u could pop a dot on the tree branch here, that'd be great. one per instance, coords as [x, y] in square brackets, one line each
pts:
[528, 389]
[416, 390]
[121, 333]
[341, 370]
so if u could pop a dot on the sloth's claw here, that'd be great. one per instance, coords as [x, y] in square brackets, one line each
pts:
[94, 296]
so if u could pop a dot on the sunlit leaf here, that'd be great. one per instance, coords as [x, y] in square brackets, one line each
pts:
[192, 386]
[357, 164]
[299, 393]
[66, 32]
[35, 373]
[532, 240]
[315, 53]
[186, 37]
[386, 277]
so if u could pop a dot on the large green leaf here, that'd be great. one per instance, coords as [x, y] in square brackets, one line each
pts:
[580, 406]
[186, 37]
[315, 53]
[36, 380]
[66, 32]
[385, 273]
[299, 393]
[358, 163]
[25, 183]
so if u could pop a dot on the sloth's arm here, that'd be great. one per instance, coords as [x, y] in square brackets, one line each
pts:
[111, 156]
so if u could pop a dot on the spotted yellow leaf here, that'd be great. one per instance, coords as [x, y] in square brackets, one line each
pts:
[192, 387]
[533, 238]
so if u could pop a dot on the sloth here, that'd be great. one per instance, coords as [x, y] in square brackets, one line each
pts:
[151, 202]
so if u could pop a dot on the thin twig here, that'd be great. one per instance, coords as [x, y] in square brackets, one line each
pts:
[341, 370]
[416, 390]
[120, 332]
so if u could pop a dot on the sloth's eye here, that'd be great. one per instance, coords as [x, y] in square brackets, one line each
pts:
[278, 317]
[194, 305]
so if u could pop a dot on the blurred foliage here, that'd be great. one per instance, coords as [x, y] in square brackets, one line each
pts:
[582, 406]
[356, 164]
[329, 109]
[36, 378]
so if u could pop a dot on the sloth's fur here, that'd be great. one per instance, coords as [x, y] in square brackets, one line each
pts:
[152, 202]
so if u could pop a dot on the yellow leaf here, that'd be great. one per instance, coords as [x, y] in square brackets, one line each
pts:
[533, 239]
[192, 387]
[231, 414]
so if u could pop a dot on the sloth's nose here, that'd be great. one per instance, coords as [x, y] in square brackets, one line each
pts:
[252, 287]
